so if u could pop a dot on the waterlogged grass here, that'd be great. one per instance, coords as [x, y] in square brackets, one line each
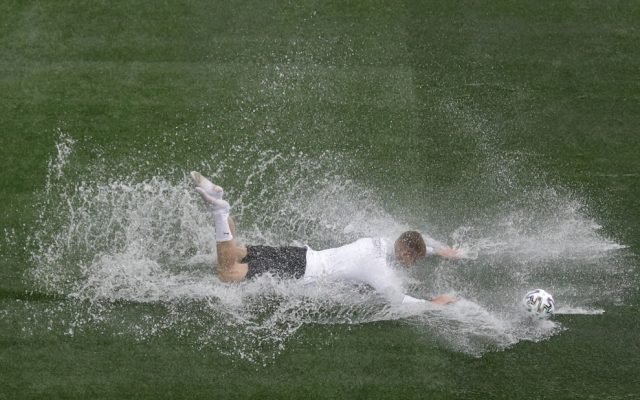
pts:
[451, 112]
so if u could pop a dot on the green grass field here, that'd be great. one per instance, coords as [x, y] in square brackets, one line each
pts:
[446, 108]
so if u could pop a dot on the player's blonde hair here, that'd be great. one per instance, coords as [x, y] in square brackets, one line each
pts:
[413, 241]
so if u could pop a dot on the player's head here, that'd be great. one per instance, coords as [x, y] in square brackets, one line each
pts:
[409, 248]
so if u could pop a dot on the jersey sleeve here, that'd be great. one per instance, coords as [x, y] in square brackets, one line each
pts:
[433, 246]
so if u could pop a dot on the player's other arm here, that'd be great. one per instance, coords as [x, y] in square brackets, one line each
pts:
[441, 250]
[442, 299]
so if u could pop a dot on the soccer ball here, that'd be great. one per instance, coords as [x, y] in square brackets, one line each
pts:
[539, 304]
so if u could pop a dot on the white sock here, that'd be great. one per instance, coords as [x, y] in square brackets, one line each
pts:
[221, 222]
[221, 210]
[210, 189]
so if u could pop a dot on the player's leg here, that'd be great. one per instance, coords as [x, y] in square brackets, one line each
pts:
[232, 226]
[214, 191]
[229, 253]
[229, 267]
[211, 189]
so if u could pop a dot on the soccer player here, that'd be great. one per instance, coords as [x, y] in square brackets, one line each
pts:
[365, 260]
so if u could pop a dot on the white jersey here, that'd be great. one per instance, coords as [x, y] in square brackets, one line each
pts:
[365, 260]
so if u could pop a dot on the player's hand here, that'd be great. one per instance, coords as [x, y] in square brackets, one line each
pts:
[450, 252]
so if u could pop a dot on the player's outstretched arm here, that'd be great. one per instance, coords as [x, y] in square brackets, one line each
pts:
[440, 249]
[444, 299]
[448, 252]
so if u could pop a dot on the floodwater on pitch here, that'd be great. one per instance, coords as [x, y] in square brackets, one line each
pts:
[135, 257]
[506, 129]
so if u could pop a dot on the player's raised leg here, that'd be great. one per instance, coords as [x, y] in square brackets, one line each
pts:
[207, 186]
[229, 253]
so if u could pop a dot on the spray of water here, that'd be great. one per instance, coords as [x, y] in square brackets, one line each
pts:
[530, 233]
[136, 257]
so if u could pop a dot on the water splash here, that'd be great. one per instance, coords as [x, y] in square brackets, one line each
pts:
[64, 148]
[543, 225]
[134, 256]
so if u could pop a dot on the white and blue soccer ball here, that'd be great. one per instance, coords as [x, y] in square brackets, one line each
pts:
[539, 304]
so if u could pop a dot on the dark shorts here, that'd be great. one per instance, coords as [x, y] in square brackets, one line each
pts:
[285, 262]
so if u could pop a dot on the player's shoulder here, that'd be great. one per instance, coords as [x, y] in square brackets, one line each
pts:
[374, 245]
[370, 241]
